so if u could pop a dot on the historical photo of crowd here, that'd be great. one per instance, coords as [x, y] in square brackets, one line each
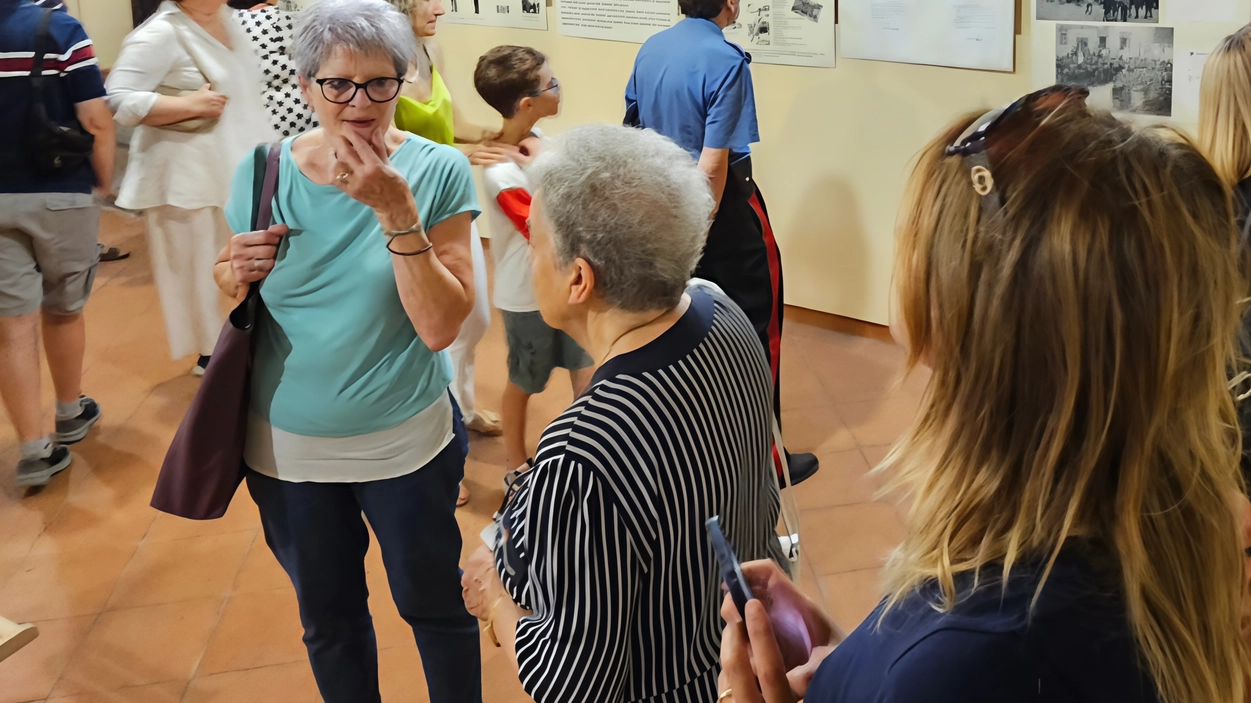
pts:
[1127, 69]
[1139, 11]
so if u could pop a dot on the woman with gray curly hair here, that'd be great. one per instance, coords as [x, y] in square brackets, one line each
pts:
[601, 581]
[367, 278]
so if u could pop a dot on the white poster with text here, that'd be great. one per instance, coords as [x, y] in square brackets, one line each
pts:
[791, 32]
[517, 14]
[977, 34]
[614, 20]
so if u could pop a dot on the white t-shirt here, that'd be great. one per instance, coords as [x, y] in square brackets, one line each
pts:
[508, 207]
[376, 456]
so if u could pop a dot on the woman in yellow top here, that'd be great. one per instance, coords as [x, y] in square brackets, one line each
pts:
[426, 109]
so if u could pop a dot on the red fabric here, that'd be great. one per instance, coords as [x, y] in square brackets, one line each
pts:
[516, 206]
[775, 279]
[775, 323]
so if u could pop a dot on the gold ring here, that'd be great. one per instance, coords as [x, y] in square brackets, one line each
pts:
[726, 695]
[342, 177]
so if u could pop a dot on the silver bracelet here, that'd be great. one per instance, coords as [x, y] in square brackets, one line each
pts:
[415, 229]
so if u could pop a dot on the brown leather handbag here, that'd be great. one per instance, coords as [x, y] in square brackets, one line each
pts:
[204, 464]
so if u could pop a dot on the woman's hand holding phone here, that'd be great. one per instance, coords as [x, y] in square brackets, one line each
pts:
[773, 656]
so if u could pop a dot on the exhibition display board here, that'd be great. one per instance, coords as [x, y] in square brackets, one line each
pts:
[836, 143]
[958, 33]
[1142, 58]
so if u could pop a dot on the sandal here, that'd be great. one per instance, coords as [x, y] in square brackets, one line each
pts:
[113, 254]
[485, 423]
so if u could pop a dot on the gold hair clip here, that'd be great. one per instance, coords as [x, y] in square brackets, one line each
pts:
[983, 181]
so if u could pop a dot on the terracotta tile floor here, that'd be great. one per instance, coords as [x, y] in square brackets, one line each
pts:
[137, 607]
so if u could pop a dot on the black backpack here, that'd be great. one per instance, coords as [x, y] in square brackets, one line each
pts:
[53, 150]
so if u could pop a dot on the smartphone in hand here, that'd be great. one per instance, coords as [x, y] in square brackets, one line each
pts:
[731, 572]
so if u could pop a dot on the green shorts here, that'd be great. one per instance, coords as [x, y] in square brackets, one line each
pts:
[535, 350]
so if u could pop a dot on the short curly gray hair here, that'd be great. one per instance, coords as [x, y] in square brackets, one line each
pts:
[360, 26]
[632, 204]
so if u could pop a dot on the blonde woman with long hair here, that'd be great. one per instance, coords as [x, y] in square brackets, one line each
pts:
[1225, 136]
[1225, 112]
[1072, 283]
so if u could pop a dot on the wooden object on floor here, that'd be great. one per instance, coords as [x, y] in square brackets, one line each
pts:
[13, 637]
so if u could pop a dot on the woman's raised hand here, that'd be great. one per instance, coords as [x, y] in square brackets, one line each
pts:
[772, 656]
[252, 254]
[363, 170]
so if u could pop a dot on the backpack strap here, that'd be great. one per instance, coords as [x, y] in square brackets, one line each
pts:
[43, 40]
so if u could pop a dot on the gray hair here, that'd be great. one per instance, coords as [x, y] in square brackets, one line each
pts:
[368, 27]
[632, 204]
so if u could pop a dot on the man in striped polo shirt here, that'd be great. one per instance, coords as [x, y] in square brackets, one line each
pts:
[48, 233]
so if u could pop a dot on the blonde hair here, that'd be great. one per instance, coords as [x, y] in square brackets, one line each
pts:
[1225, 107]
[1080, 339]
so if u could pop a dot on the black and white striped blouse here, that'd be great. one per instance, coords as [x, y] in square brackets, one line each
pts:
[604, 538]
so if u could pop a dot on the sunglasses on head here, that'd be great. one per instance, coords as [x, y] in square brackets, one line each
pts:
[974, 142]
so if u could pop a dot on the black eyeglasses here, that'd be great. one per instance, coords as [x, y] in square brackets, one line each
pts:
[341, 91]
[555, 86]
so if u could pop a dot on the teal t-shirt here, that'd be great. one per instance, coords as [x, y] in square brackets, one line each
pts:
[336, 355]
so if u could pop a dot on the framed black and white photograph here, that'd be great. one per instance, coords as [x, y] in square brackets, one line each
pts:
[1124, 11]
[1126, 69]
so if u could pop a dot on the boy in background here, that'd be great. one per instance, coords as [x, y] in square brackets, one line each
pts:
[518, 82]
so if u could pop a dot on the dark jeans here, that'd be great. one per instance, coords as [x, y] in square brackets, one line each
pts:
[316, 531]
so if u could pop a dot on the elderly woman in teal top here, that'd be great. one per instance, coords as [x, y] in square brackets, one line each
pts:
[367, 278]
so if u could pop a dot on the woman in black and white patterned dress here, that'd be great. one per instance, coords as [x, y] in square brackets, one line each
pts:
[271, 27]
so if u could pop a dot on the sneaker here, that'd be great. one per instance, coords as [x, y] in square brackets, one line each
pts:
[200, 366]
[802, 466]
[38, 472]
[75, 429]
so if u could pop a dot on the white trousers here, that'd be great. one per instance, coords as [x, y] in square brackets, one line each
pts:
[183, 245]
[472, 330]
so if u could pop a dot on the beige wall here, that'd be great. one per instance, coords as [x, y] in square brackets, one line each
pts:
[107, 23]
[835, 146]
[835, 150]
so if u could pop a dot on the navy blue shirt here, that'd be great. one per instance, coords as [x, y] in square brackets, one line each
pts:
[1075, 647]
[72, 75]
[694, 87]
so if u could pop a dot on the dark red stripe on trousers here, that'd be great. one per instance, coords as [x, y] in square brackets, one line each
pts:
[775, 321]
[775, 282]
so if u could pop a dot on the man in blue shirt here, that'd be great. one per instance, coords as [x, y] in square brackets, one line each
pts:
[48, 232]
[693, 86]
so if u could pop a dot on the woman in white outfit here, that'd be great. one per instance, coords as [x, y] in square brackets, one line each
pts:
[195, 50]
[426, 109]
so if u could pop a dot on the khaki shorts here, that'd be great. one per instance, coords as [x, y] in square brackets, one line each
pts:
[48, 252]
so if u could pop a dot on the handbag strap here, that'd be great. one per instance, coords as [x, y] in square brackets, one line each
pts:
[264, 188]
[269, 187]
